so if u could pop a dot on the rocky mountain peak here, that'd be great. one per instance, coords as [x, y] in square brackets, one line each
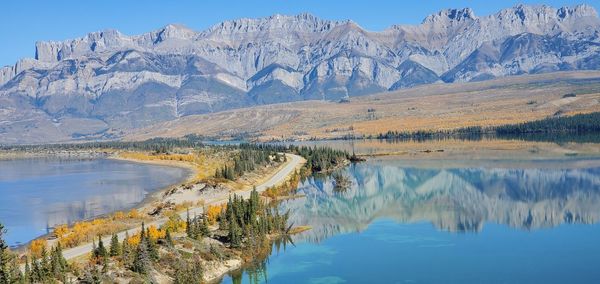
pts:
[447, 15]
[579, 11]
[53, 51]
[304, 23]
[544, 13]
[175, 71]
[175, 31]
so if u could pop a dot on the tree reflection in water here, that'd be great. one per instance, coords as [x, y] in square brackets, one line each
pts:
[454, 198]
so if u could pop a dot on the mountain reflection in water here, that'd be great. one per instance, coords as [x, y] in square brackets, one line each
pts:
[454, 199]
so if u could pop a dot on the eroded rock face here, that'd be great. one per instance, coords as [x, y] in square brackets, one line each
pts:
[282, 58]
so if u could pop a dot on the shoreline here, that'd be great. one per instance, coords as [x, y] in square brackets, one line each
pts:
[147, 200]
[192, 172]
[218, 270]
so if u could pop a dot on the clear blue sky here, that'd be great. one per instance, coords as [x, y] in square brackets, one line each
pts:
[23, 22]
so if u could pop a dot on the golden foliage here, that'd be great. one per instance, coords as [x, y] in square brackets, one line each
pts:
[133, 214]
[155, 233]
[174, 224]
[36, 247]
[119, 215]
[204, 161]
[134, 240]
[85, 231]
[61, 230]
[98, 222]
[164, 157]
[284, 189]
[213, 212]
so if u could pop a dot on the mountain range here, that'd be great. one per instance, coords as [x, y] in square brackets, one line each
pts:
[452, 199]
[103, 84]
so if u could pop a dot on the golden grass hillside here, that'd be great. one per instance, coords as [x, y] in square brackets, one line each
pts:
[430, 107]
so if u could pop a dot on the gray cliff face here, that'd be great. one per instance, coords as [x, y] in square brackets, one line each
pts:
[115, 82]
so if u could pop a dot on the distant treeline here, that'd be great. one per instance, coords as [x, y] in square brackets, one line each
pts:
[158, 145]
[579, 123]
[318, 159]
[468, 133]
[565, 128]
[250, 155]
[247, 160]
[321, 159]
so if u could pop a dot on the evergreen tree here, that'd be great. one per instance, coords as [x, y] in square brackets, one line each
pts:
[58, 263]
[126, 249]
[188, 224]
[142, 258]
[168, 238]
[254, 203]
[141, 261]
[36, 271]
[235, 233]
[4, 258]
[94, 250]
[101, 250]
[115, 247]
[92, 275]
[102, 254]
[27, 275]
[16, 274]
[9, 268]
[204, 230]
[60, 256]
[223, 223]
[151, 246]
[44, 264]
[188, 273]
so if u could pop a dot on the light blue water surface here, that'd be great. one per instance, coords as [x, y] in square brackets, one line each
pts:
[473, 223]
[37, 194]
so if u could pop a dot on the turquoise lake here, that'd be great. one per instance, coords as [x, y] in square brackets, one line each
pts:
[472, 221]
[38, 194]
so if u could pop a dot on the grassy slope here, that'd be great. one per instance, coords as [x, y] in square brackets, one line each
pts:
[432, 107]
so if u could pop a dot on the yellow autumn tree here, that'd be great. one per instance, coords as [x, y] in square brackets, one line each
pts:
[155, 233]
[134, 240]
[213, 212]
[174, 224]
[133, 214]
[119, 215]
[61, 230]
[36, 247]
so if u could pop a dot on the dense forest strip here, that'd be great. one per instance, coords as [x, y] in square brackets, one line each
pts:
[157, 145]
[579, 123]
[549, 129]
[318, 159]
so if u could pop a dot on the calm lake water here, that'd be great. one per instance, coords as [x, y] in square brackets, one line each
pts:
[444, 221]
[37, 194]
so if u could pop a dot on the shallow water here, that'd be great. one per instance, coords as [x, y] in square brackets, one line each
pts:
[444, 221]
[37, 194]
